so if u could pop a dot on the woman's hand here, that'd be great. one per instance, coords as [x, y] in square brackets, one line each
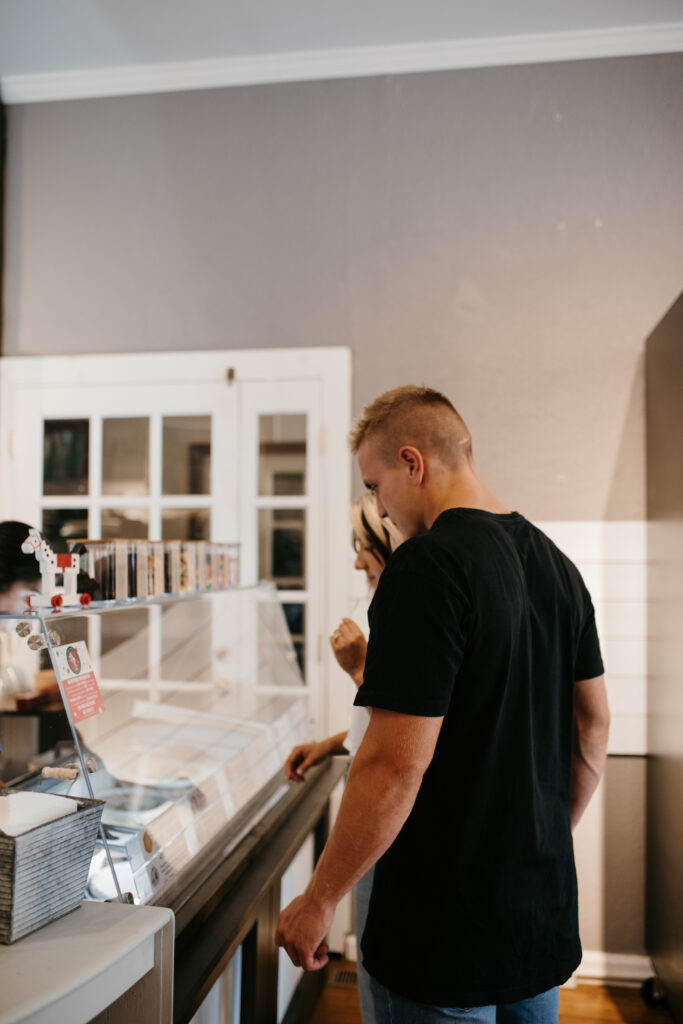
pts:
[349, 647]
[305, 756]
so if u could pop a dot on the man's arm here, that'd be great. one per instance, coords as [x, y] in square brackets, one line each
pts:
[591, 730]
[383, 783]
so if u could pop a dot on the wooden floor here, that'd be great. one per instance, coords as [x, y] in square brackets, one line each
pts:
[585, 1004]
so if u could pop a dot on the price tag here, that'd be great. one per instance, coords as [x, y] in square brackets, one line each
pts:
[139, 847]
[78, 681]
[159, 872]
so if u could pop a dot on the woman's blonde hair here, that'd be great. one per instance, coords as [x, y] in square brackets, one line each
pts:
[372, 530]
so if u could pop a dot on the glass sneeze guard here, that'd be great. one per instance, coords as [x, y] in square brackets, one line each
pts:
[203, 700]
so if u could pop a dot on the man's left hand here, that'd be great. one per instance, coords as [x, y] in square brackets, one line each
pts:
[301, 929]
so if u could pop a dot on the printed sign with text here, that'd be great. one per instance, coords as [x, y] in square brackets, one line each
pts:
[78, 681]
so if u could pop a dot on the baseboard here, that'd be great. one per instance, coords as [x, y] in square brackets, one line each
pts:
[625, 968]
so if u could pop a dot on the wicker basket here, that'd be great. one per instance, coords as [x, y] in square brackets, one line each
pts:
[43, 872]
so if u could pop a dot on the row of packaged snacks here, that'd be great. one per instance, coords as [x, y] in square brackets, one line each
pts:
[123, 569]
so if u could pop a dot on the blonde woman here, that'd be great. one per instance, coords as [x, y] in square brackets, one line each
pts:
[374, 538]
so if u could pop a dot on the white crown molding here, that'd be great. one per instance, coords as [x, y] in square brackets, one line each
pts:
[344, 63]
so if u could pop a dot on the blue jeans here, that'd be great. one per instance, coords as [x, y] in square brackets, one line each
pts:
[361, 901]
[391, 1008]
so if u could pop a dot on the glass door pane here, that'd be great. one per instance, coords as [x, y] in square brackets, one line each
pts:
[127, 523]
[186, 442]
[295, 614]
[186, 524]
[125, 456]
[61, 525]
[282, 547]
[282, 454]
[66, 446]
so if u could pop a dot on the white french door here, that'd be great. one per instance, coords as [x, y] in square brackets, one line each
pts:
[244, 446]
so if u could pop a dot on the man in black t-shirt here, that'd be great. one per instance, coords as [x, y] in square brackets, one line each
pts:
[488, 736]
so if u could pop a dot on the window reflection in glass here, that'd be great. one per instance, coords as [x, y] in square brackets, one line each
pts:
[126, 632]
[65, 456]
[186, 455]
[125, 456]
[186, 524]
[282, 454]
[61, 525]
[128, 523]
[282, 547]
[186, 648]
[70, 631]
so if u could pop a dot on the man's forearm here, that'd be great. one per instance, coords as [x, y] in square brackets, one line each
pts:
[377, 800]
[383, 783]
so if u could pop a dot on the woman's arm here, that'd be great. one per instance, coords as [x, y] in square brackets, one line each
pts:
[305, 756]
[350, 647]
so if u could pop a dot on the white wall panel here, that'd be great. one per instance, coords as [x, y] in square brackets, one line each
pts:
[627, 619]
[612, 558]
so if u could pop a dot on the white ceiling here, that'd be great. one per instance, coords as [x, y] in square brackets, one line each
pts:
[58, 48]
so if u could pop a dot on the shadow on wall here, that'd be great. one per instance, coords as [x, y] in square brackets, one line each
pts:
[631, 449]
[624, 811]
[625, 784]
[664, 410]
[624, 780]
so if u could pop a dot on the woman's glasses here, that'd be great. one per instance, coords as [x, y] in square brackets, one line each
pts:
[358, 545]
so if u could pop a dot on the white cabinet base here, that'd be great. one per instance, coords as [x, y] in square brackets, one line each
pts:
[105, 962]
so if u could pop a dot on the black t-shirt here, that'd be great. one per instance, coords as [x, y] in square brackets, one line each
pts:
[482, 620]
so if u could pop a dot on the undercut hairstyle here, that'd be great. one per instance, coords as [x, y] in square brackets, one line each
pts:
[371, 530]
[15, 566]
[416, 416]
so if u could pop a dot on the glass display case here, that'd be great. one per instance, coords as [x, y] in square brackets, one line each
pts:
[202, 700]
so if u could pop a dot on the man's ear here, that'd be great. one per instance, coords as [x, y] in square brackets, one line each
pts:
[412, 459]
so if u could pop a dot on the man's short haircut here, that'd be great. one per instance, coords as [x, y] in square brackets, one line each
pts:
[417, 416]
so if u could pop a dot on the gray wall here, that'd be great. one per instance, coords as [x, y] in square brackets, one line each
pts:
[510, 234]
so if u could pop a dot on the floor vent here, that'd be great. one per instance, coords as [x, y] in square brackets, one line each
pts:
[342, 977]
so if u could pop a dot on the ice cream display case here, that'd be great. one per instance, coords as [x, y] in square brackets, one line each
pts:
[185, 709]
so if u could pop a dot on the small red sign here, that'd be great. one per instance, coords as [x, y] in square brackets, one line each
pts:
[78, 681]
[84, 697]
